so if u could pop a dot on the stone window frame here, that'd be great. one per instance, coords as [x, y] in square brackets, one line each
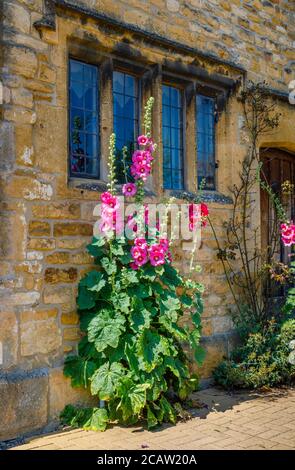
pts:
[151, 77]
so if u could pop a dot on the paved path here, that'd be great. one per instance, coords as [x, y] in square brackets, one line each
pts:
[221, 421]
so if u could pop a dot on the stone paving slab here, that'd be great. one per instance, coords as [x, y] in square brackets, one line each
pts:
[256, 420]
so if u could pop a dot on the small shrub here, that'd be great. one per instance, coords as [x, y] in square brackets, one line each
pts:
[263, 360]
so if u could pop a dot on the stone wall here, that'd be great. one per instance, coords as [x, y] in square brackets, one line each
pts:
[46, 219]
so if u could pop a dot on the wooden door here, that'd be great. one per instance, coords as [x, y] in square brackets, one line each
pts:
[278, 167]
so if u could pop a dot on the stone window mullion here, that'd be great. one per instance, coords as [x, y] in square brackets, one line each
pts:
[106, 113]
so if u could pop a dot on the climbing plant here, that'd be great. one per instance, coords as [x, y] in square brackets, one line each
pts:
[132, 355]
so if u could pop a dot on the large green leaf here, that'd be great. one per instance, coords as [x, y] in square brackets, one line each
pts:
[132, 397]
[171, 278]
[169, 302]
[149, 347]
[105, 380]
[105, 329]
[140, 317]
[177, 331]
[149, 273]
[94, 281]
[98, 420]
[109, 266]
[177, 367]
[169, 414]
[129, 276]
[96, 248]
[79, 370]
[86, 299]
[142, 291]
[151, 418]
[199, 354]
[121, 301]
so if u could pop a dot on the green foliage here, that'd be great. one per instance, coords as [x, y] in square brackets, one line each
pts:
[263, 359]
[132, 353]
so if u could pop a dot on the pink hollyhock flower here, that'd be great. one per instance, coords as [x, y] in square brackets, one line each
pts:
[164, 244]
[147, 156]
[204, 210]
[142, 259]
[138, 251]
[142, 140]
[140, 171]
[156, 255]
[139, 255]
[105, 197]
[105, 226]
[169, 256]
[131, 223]
[129, 189]
[146, 214]
[193, 216]
[109, 201]
[140, 242]
[288, 234]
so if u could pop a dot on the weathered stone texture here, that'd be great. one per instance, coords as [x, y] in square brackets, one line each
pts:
[46, 219]
[23, 404]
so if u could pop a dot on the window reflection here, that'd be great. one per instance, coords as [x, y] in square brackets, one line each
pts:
[206, 140]
[125, 111]
[84, 136]
[172, 132]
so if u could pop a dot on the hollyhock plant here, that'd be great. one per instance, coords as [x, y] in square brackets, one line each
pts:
[131, 353]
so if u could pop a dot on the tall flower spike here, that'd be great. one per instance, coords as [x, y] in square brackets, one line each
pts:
[111, 165]
[148, 116]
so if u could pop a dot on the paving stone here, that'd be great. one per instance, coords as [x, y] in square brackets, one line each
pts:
[232, 427]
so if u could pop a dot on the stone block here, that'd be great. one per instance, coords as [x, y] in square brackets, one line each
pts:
[57, 210]
[42, 244]
[39, 332]
[23, 403]
[7, 146]
[58, 257]
[24, 145]
[28, 188]
[19, 298]
[18, 17]
[72, 229]
[58, 295]
[216, 350]
[69, 318]
[71, 334]
[37, 228]
[56, 275]
[46, 73]
[61, 393]
[22, 97]
[21, 60]
[8, 339]
[71, 243]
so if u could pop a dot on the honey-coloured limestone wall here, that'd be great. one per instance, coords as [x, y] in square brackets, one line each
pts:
[46, 218]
